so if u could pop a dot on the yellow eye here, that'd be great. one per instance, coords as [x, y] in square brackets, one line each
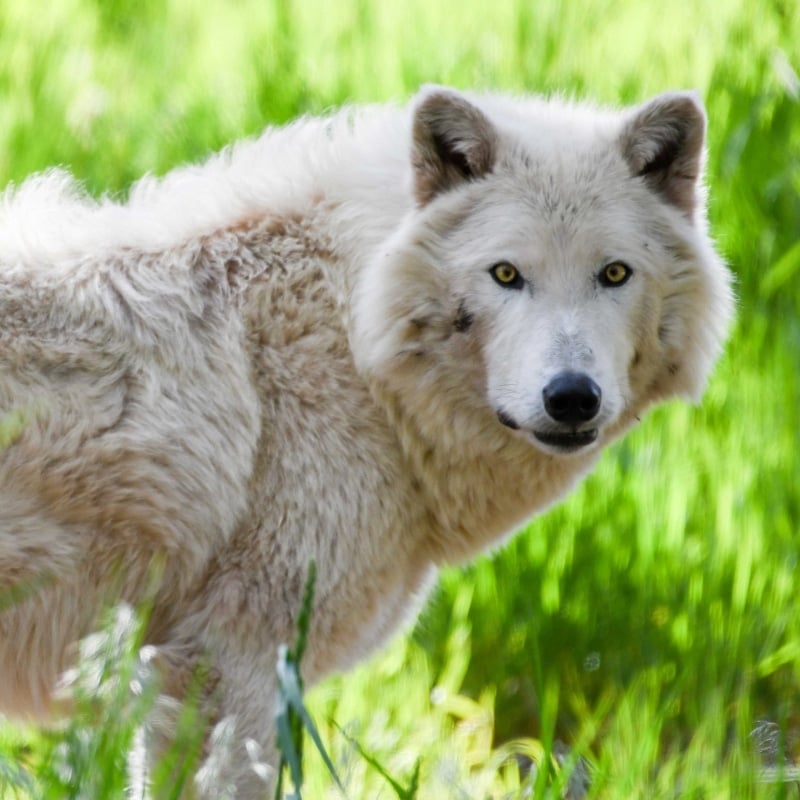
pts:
[615, 274]
[507, 275]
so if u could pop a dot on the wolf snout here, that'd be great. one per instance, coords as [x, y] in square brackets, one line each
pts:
[572, 398]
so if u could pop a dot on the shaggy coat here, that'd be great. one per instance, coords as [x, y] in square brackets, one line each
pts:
[379, 341]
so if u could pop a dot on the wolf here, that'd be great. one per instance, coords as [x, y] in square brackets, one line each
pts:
[378, 341]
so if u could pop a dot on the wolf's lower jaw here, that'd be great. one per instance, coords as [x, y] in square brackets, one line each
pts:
[567, 441]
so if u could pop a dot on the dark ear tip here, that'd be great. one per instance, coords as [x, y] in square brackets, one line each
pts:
[691, 103]
[690, 96]
[431, 97]
[687, 104]
[427, 89]
[678, 117]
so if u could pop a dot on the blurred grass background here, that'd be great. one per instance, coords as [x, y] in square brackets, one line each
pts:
[651, 619]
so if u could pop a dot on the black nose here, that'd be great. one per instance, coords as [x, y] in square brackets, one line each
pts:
[572, 397]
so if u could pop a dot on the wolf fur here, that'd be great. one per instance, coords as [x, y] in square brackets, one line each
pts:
[302, 350]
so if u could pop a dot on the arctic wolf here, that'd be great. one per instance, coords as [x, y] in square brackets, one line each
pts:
[379, 341]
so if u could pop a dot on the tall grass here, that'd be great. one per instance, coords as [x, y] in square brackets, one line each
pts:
[649, 621]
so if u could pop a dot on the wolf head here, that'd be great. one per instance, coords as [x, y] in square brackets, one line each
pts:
[555, 260]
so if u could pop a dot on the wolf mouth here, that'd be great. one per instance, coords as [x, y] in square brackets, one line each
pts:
[567, 441]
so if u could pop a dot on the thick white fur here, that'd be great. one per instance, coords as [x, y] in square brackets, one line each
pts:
[296, 352]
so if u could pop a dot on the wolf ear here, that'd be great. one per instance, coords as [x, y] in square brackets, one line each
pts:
[663, 143]
[452, 142]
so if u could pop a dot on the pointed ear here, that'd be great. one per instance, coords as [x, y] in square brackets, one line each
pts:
[663, 143]
[452, 142]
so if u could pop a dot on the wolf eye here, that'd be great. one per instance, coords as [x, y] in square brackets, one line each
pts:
[507, 275]
[615, 274]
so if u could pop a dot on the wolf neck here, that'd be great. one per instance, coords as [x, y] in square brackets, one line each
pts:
[480, 481]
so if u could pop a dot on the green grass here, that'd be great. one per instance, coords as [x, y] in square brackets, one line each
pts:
[649, 620]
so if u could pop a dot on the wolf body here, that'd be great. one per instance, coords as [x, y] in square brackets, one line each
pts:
[378, 341]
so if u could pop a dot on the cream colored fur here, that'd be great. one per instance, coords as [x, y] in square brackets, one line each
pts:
[296, 352]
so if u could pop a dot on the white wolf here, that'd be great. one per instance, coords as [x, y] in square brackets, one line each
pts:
[380, 341]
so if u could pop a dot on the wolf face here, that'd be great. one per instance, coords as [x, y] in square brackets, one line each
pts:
[563, 258]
